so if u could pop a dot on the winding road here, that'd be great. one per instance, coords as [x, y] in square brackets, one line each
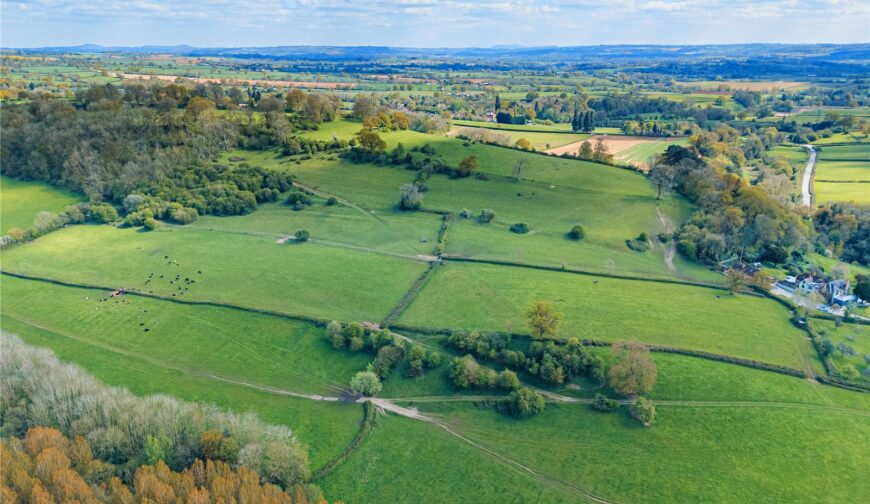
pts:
[806, 181]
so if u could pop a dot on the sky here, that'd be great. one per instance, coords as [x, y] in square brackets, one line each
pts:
[429, 23]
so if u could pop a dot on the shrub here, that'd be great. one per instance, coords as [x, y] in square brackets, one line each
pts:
[688, 248]
[525, 402]
[508, 380]
[577, 232]
[335, 334]
[356, 344]
[365, 383]
[639, 244]
[432, 360]
[604, 403]
[388, 358]
[410, 197]
[331, 201]
[150, 224]
[645, 411]
[486, 216]
[302, 235]
[464, 372]
[519, 228]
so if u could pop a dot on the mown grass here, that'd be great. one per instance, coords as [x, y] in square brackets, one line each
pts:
[693, 453]
[540, 140]
[643, 152]
[843, 171]
[20, 201]
[487, 297]
[254, 271]
[831, 192]
[845, 153]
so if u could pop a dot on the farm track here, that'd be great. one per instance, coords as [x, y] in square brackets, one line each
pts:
[282, 238]
[343, 201]
[807, 180]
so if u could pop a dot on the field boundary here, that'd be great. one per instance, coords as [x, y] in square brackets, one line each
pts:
[409, 295]
[365, 429]
[700, 354]
[160, 297]
[575, 271]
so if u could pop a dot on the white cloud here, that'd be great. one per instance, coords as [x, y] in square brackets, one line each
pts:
[430, 22]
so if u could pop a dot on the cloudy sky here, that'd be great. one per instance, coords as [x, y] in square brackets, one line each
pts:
[429, 23]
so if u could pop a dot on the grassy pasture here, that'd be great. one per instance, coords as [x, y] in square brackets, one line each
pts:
[243, 346]
[543, 128]
[837, 138]
[486, 297]
[830, 192]
[394, 232]
[846, 171]
[855, 335]
[745, 85]
[846, 153]
[843, 174]
[540, 140]
[708, 454]
[406, 461]
[641, 153]
[613, 204]
[306, 279]
[325, 428]
[20, 201]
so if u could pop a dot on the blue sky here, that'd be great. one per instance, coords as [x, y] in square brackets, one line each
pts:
[430, 23]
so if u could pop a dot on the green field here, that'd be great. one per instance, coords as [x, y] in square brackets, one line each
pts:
[842, 173]
[20, 201]
[254, 271]
[740, 409]
[855, 336]
[540, 140]
[232, 310]
[489, 297]
[640, 154]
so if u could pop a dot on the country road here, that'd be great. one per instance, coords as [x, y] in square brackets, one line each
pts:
[806, 197]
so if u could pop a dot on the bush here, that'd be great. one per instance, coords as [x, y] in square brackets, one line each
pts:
[410, 197]
[525, 402]
[688, 249]
[519, 228]
[150, 224]
[302, 235]
[365, 383]
[644, 410]
[464, 372]
[486, 216]
[604, 403]
[331, 201]
[577, 232]
[639, 244]
[335, 334]
[388, 358]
